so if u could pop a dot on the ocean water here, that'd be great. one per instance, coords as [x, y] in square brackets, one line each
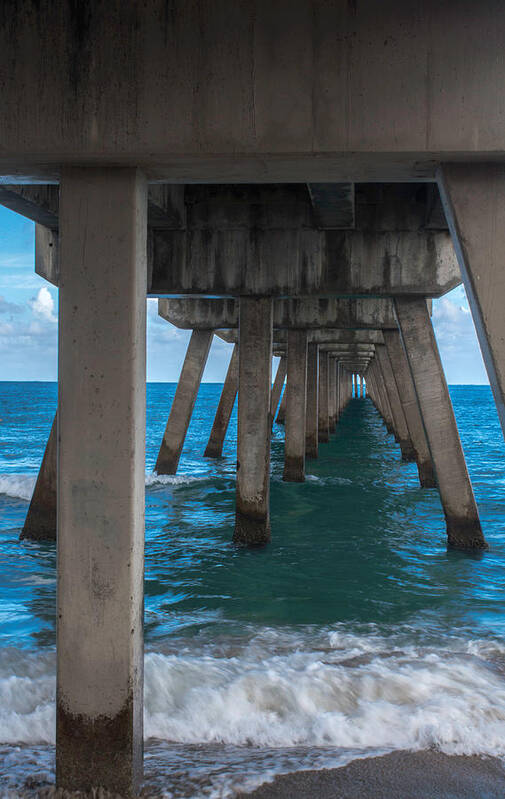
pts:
[355, 632]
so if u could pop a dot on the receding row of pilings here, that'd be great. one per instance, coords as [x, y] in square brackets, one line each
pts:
[404, 379]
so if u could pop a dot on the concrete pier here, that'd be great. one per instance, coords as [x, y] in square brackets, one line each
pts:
[252, 520]
[101, 479]
[473, 196]
[323, 410]
[311, 418]
[296, 408]
[410, 406]
[382, 397]
[281, 413]
[40, 522]
[278, 385]
[399, 422]
[214, 448]
[184, 402]
[332, 394]
[456, 493]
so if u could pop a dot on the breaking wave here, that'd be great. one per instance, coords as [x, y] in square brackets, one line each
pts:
[352, 692]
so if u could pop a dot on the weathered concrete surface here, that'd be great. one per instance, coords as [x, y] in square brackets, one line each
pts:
[324, 398]
[184, 402]
[474, 202]
[311, 418]
[278, 385]
[384, 406]
[406, 391]
[101, 479]
[254, 92]
[281, 413]
[314, 313]
[398, 416]
[214, 448]
[40, 522]
[332, 393]
[296, 398]
[456, 494]
[252, 519]
[252, 261]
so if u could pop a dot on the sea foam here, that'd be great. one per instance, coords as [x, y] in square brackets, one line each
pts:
[357, 693]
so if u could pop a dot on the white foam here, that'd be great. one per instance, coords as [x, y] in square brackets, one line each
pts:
[153, 479]
[19, 486]
[357, 693]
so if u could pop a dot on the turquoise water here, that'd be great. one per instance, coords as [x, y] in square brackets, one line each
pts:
[355, 631]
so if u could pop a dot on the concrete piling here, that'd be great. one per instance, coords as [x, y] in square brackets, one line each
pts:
[278, 385]
[323, 409]
[398, 415]
[406, 391]
[101, 479]
[296, 389]
[214, 448]
[456, 494]
[40, 522]
[311, 421]
[252, 515]
[184, 402]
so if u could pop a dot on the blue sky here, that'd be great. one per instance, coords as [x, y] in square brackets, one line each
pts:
[29, 310]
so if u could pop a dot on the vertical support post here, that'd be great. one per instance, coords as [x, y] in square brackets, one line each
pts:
[385, 408]
[101, 479]
[361, 387]
[294, 448]
[281, 414]
[311, 423]
[410, 405]
[399, 421]
[461, 515]
[473, 196]
[252, 519]
[214, 448]
[332, 394]
[184, 402]
[280, 376]
[40, 522]
[338, 383]
[323, 423]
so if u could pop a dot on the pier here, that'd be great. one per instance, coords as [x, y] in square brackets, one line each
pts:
[299, 178]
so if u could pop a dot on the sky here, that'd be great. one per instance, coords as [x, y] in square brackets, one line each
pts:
[29, 324]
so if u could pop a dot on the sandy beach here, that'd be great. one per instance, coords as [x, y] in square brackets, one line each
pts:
[400, 775]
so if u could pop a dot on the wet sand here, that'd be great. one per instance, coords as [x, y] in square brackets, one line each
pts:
[400, 775]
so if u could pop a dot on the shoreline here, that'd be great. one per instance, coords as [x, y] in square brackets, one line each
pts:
[427, 774]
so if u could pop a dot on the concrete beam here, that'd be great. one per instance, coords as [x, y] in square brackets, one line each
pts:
[145, 87]
[370, 313]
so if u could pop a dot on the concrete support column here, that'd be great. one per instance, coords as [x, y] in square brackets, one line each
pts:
[214, 448]
[294, 448]
[385, 407]
[40, 522]
[473, 196]
[184, 401]
[311, 419]
[399, 421]
[338, 379]
[252, 520]
[362, 387]
[323, 423]
[332, 394]
[410, 406]
[280, 377]
[462, 519]
[101, 479]
[281, 414]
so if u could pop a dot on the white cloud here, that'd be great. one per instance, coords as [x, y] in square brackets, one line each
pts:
[43, 305]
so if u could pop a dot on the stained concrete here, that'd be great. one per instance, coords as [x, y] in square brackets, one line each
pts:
[224, 410]
[252, 514]
[456, 493]
[311, 419]
[296, 397]
[184, 402]
[40, 522]
[101, 480]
